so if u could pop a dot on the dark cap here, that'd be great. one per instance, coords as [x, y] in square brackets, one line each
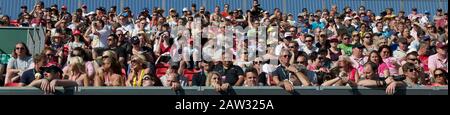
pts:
[51, 68]
[334, 40]
[24, 6]
[359, 46]
[134, 40]
[439, 10]
[441, 45]
[84, 6]
[414, 9]
[426, 38]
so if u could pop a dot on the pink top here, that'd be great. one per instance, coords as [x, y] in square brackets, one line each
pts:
[388, 64]
[434, 62]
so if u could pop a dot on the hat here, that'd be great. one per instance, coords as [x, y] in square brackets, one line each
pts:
[347, 18]
[24, 6]
[334, 39]
[76, 32]
[377, 17]
[414, 9]
[64, 7]
[266, 12]
[441, 45]
[125, 14]
[172, 9]
[439, 10]
[134, 40]
[84, 6]
[426, 38]
[185, 10]
[51, 68]
[427, 12]
[359, 46]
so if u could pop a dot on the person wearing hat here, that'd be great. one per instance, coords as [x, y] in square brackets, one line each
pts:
[439, 60]
[84, 10]
[23, 10]
[76, 41]
[414, 14]
[357, 56]
[52, 79]
[439, 18]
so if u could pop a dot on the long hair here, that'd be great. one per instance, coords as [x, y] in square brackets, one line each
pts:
[27, 53]
[208, 78]
[378, 55]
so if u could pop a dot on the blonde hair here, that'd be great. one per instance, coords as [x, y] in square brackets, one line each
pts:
[210, 75]
[79, 64]
[110, 53]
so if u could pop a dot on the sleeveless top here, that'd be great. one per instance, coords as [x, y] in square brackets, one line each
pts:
[137, 81]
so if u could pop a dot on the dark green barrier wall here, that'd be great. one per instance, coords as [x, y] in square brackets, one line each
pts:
[233, 91]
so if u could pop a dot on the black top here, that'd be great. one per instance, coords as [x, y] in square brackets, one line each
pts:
[199, 79]
[281, 72]
[231, 74]
[28, 76]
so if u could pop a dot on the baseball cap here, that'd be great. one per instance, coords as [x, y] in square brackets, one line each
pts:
[347, 18]
[84, 6]
[134, 40]
[24, 6]
[64, 7]
[414, 9]
[76, 32]
[185, 10]
[441, 45]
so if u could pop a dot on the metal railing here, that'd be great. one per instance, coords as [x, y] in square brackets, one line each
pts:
[232, 91]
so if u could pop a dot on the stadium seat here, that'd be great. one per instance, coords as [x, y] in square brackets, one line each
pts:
[161, 69]
[189, 73]
[12, 85]
[14, 22]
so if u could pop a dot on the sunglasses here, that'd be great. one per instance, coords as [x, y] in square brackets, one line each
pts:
[110, 39]
[245, 52]
[286, 56]
[439, 75]
[412, 70]
[50, 55]
[413, 59]
[146, 78]
[291, 46]
[20, 48]
[346, 38]
[257, 62]
[367, 37]
[308, 41]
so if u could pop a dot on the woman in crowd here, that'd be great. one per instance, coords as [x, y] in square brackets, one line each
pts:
[138, 71]
[76, 71]
[109, 74]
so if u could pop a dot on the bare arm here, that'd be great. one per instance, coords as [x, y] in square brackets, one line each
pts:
[331, 82]
[305, 80]
[240, 81]
[368, 83]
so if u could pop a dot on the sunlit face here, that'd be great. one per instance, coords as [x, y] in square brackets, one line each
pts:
[215, 79]
[106, 64]
[385, 53]
[171, 79]
[368, 72]
[251, 78]
[20, 49]
[374, 58]
[439, 76]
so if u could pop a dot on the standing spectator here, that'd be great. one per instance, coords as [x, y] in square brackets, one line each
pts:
[98, 34]
[414, 15]
[23, 10]
[439, 60]
[20, 62]
[77, 41]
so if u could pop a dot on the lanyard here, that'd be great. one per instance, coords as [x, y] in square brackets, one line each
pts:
[139, 81]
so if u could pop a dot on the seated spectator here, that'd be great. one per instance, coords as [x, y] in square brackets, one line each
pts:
[199, 79]
[390, 65]
[251, 78]
[151, 80]
[232, 74]
[286, 75]
[411, 73]
[20, 62]
[52, 79]
[263, 77]
[172, 81]
[178, 70]
[216, 82]
[440, 76]
[334, 52]
[36, 73]
[309, 47]
[109, 74]
[138, 71]
[87, 62]
[439, 60]
[346, 46]
[344, 65]
[76, 71]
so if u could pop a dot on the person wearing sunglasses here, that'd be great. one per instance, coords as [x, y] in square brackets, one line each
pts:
[21, 61]
[309, 46]
[52, 79]
[287, 75]
[346, 46]
[138, 71]
[440, 78]
[151, 80]
[263, 76]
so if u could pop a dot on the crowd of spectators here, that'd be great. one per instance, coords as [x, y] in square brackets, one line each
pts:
[326, 47]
